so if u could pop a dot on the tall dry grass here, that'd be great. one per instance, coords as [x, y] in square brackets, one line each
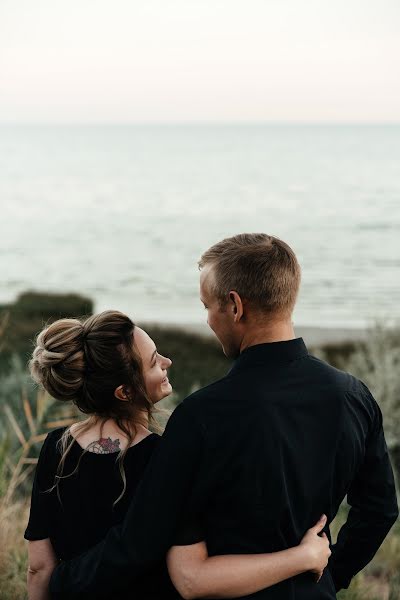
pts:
[18, 458]
[13, 554]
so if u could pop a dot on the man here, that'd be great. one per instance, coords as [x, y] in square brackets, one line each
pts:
[260, 454]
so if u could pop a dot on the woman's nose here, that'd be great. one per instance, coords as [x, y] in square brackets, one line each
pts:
[167, 362]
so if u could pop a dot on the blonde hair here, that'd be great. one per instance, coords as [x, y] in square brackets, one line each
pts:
[84, 362]
[261, 268]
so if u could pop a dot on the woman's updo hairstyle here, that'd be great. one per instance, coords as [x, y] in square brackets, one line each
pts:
[58, 361]
[85, 361]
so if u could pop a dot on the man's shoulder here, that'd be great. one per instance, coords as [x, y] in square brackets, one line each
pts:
[342, 380]
[343, 385]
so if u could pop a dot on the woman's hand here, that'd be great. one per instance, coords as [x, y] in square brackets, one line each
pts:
[317, 547]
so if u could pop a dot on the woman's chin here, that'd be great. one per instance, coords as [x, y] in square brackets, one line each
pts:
[166, 390]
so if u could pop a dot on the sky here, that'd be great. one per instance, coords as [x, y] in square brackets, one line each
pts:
[125, 61]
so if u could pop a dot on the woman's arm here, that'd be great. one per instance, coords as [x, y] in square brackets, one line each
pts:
[42, 561]
[196, 575]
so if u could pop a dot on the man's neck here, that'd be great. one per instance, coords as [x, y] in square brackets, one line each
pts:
[277, 331]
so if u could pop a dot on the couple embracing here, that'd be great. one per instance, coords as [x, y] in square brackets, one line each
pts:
[235, 499]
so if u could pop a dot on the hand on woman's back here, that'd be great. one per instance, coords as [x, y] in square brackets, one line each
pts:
[317, 546]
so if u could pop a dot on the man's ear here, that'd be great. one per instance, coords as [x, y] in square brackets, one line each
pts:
[236, 306]
[121, 393]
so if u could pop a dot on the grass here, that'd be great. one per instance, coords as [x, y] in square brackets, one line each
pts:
[18, 457]
[13, 553]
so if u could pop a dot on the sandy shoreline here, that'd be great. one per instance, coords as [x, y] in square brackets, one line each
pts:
[313, 336]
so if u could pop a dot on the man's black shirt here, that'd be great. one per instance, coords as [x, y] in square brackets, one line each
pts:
[257, 457]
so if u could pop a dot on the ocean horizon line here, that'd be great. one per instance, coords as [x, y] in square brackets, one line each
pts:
[200, 123]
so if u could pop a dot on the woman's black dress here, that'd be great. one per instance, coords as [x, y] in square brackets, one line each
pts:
[86, 511]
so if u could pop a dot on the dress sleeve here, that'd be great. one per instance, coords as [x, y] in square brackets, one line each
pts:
[41, 500]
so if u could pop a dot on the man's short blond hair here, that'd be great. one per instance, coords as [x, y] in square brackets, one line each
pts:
[261, 268]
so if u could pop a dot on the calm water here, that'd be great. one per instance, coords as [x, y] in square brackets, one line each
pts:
[122, 213]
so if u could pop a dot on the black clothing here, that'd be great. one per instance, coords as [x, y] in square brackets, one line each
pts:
[258, 456]
[86, 511]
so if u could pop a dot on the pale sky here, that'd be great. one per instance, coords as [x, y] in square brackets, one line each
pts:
[120, 61]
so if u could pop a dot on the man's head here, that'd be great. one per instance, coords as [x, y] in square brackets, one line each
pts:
[247, 281]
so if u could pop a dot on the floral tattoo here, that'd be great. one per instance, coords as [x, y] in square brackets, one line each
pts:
[104, 446]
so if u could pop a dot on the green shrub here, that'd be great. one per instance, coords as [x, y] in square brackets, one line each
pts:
[22, 321]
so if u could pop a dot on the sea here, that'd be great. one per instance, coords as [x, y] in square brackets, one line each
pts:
[122, 213]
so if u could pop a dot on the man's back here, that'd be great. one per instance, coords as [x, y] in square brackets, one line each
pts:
[258, 457]
[286, 438]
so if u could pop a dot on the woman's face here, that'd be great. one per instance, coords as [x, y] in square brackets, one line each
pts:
[154, 367]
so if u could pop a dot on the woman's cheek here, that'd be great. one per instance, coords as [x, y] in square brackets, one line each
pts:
[157, 386]
[150, 387]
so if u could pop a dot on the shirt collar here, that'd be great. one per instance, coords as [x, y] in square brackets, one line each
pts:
[272, 353]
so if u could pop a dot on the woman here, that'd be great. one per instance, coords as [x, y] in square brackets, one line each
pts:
[88, 473]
